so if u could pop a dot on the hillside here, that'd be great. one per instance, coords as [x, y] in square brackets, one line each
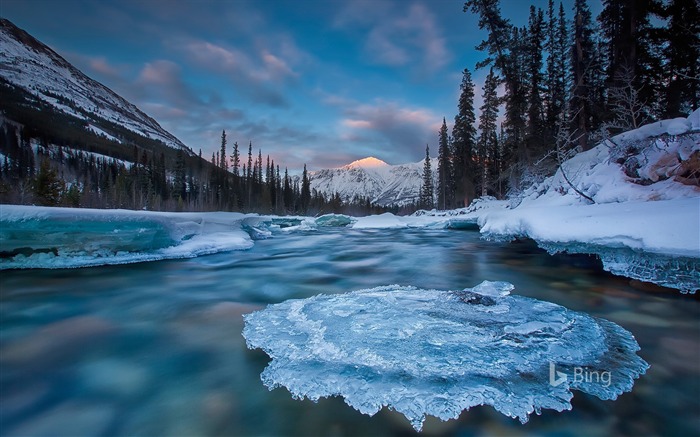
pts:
[36, 77]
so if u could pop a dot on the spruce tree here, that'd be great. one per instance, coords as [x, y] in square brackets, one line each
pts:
[487, 143]
[236, 160]
[463, 143]
[535, 109]
[445, 185]
[426, 190]
[583, 68]
[288, 196]
[48, 187]
[305, 191]
[249, 174]
[222, 155]
[683, 55]
[632, 51]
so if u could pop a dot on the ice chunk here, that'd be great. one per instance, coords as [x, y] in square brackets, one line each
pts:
[493, 289]
[679, 272]
[334, 220]
[430, 352]
[382, 221]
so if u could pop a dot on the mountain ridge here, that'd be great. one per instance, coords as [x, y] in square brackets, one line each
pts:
[38, 70]
[383, 184]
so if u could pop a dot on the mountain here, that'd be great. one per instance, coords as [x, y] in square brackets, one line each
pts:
[373, 178]
[33, 71]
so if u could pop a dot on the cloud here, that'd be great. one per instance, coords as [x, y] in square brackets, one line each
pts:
[161, 80]
[396, 132]
[411, 38]
[257, 74]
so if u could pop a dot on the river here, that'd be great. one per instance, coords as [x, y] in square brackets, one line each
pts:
[156, 348]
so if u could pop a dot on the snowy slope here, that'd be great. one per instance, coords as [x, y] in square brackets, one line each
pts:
[384, 184]
[32, 66]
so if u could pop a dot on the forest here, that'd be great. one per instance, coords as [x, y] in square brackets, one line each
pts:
[556, 86]
[567, 81]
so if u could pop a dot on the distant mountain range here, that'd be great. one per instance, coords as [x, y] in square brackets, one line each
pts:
[373, 178]
[34, 68]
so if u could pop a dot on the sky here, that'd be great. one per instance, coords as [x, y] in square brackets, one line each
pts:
[311, 82]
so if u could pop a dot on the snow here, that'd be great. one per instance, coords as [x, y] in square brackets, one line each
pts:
[669, 227]
[42, 237]
[383, 221]
[370, 177]
[466, 348]
[369, 162]
[648, 231]
[43, 73]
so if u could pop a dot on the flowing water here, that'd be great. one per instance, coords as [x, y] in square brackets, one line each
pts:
[156, 348]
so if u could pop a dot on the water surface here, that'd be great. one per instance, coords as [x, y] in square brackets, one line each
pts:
[156, 348]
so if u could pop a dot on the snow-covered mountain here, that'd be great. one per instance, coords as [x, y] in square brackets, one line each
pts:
[30, 65]
[370, 177]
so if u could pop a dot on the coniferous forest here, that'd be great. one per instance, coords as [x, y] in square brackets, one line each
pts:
[556, 86]
[563, 83]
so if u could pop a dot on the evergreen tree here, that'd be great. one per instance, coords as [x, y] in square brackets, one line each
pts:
[236, 160]
[305, 191]
[179, 182]
[249, 174]
[445, 185]
[487, 143]
[535, 109]
[48, 187]
[288, 194]
[426, 191]
[683, 54]
[259, 168]
[463, 143]
[516, 155]
[223, 156]
[583, 69]
[633, 50]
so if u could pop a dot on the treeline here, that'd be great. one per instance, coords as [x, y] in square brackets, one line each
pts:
[61, 173]
[569, 81]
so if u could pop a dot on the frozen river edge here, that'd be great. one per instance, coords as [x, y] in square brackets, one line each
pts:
[649, 241]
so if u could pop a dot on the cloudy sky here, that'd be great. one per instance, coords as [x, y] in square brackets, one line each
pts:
[307, 81]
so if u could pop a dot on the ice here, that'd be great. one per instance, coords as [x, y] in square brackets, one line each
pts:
[39, 237]
[382, 221]
[431, 352]
[679, 272]
[335, 220]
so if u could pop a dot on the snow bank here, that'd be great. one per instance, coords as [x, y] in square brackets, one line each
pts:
[430, 352]
[42, 237]
[645, 219]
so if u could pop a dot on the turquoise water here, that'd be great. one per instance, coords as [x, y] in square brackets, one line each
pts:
[156, 348]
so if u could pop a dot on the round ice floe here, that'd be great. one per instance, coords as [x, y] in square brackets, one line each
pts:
[430, 352]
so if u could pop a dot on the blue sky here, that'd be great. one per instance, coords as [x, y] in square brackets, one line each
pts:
[307, 81]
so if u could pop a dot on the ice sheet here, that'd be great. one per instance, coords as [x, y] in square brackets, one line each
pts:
[431, 352]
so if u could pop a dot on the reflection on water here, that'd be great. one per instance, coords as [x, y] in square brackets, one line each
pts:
[156, 348]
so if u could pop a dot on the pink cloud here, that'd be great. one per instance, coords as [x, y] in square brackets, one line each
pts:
[359, 124]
